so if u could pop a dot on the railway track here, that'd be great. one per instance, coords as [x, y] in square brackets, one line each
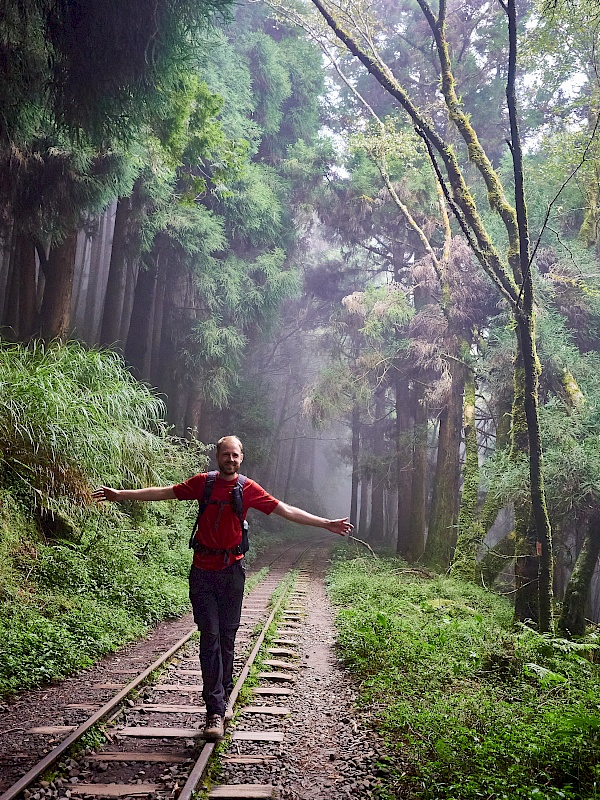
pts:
[153, 730]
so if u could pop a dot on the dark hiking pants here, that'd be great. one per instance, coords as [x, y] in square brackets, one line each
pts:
[216, 598]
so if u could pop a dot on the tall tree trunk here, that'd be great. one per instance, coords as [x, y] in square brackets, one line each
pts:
[377, 528]
[443, 516]
[470, 532]
[355, 463]
[27, 287]
[271, 477]
[5, 258]
[526, 559]
[55, 313]
[143, 320]
[541, 521]
[154, 353]
[416, 533]
[533, 544]
[117, 276]
[291, 464]
[403, 464]
[572, 618]
[363, 517]
[10, 317]
[133, 269]
[539, 533]
[193, 414]
[492, 505]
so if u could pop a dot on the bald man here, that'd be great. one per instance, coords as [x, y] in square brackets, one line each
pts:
[217, 575]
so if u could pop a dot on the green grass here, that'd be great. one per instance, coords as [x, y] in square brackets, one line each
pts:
[470, 707]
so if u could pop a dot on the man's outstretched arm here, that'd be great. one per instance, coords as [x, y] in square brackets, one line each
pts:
[151, 493]
[341, 526]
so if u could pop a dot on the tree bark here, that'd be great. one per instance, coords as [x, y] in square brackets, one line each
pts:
[155, 350]
[572, 618]
[271, 477]
[416, 533]
[363, 517]
[533, 567]
[133, 270]
[117, 276]
[143, 320]
[55, 313]
[355, 463]
[376, 531]
[526, 560]
[10, 317]
[27, 287]
[193, 415]
[403, 465]
[470, 532]
[443, 516]
[291, 465]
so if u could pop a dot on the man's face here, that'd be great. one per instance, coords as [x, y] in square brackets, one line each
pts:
[229, 457]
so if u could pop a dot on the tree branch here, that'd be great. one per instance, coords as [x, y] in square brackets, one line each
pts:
[521, 268]
[462, 196]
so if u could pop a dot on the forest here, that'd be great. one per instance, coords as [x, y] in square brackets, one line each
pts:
[361, 235]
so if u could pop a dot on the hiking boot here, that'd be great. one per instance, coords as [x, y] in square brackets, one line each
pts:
[214, 728]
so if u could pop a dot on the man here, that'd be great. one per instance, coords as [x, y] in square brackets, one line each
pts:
[217, 575]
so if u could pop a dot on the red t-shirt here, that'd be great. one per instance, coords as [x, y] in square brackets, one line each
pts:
[227, 532]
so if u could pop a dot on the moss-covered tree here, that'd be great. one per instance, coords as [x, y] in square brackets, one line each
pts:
[512, 275]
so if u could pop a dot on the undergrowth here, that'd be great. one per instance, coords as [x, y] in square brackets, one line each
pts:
[470, 707]
[78, 579]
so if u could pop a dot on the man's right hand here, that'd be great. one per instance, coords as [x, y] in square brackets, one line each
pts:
[118, 495]
[105, 493]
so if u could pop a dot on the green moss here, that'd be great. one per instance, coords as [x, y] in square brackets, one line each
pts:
[470, 532]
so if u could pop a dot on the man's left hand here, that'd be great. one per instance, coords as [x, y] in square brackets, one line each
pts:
[340, 526]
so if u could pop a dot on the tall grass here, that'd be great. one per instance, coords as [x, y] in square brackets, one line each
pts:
[71, 417]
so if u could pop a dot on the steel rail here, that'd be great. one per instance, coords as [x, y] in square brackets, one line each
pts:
[57, 752]
[201, 764]
[38, 769]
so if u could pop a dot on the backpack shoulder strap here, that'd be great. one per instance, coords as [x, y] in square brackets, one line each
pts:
[237, 497]
[206, 494]
[203, 502]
